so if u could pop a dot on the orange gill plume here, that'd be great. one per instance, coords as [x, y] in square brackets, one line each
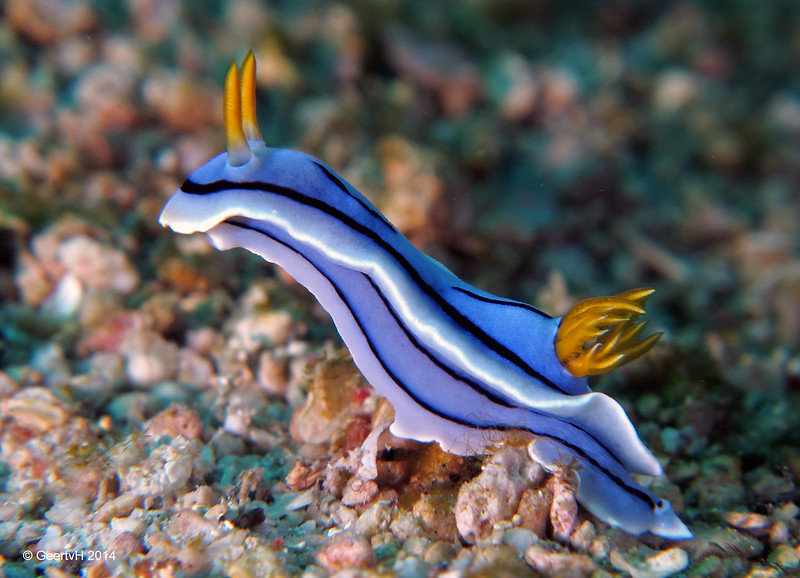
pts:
[602, 333]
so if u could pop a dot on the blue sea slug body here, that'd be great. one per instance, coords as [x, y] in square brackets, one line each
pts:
[461, 367]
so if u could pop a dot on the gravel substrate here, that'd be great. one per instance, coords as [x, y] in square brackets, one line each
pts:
[167, 409]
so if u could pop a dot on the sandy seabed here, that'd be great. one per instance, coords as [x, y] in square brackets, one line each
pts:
[171, 410]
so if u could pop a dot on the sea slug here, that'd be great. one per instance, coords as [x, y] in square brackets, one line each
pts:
[461, 367]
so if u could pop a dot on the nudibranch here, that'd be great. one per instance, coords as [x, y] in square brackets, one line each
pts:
[460, 366]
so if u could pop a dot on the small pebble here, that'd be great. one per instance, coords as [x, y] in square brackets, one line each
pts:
[534, 510]
[724, 543]
[374, 519]
[520, 539]
[554, 562]
[564, 509]
[786, 557]
[176, 420]
[786, 512]
[439, 554]
[346, 551]
[411, 567]
[657, 565]
[756, 524]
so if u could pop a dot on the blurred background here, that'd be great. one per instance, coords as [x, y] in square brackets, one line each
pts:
[546, 151]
